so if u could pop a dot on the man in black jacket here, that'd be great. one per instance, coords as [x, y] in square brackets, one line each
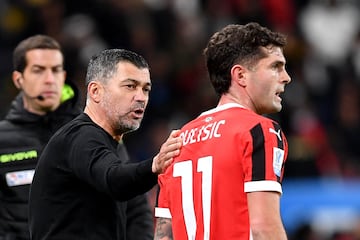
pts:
[81, 181]
[45, 103]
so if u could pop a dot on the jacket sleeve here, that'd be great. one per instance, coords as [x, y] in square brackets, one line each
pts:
[93, 158]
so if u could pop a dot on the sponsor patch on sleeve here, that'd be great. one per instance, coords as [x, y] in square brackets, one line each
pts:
[19, 177]
[278, 159]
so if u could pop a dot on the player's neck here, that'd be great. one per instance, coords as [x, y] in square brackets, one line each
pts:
[227, 98]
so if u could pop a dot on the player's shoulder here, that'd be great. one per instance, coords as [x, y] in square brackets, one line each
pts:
[233, 117]
[248, 118]
[264, 124]
[265, 120]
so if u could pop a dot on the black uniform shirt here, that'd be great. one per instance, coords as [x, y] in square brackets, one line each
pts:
[76, 184]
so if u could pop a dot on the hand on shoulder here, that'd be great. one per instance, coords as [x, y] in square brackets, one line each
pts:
[169, 149]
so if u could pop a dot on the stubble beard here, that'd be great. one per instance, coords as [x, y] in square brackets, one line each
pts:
[121, 123]
[126, 125]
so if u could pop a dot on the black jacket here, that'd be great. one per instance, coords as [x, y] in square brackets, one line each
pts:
[23, 136]
[78, 177]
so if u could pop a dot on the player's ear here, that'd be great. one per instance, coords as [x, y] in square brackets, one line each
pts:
[238, 74]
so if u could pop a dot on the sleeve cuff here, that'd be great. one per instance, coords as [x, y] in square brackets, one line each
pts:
[162, 212]
[258, 186]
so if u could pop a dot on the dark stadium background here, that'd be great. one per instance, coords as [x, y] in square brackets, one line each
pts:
[321, 113]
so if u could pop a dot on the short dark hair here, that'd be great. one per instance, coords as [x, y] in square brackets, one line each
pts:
[104, 65]
[34, 42]
[237, 44]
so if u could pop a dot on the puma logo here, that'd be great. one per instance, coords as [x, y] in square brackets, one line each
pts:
[277, 133]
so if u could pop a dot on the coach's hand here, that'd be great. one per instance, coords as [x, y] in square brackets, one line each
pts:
[168, 150]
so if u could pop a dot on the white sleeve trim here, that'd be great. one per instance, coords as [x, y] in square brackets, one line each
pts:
[258, 186]
[162, 212]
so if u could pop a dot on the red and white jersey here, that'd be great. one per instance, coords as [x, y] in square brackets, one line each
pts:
[227, 152]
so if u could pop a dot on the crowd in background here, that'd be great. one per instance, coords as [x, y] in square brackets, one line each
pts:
[321, 107]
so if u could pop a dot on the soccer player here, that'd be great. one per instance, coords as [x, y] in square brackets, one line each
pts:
[226, 182]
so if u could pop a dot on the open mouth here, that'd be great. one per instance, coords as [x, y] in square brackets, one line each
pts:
[279, 94]
[139, 111]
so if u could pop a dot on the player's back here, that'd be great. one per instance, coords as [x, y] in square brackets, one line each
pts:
[215, 162]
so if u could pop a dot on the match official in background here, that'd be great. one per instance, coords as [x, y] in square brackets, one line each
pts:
[45, 103]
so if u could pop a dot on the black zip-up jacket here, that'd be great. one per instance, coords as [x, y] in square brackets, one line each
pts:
[23, 136]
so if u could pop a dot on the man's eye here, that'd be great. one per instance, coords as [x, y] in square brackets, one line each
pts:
[278, 66]
[37, 70]
[58, 70]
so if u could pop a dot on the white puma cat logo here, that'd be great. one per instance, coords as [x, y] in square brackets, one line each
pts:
[276, 133]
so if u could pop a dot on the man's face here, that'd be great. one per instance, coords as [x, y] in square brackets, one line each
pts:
[267, 81]
[43, 76]
[126, 96]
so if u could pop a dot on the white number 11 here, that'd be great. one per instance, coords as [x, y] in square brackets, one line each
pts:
[185, 171]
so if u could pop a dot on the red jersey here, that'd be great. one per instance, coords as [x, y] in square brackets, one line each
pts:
[227, 152]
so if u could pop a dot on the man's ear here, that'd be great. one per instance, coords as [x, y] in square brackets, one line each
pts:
[238, 75]
[17, 79]
[95, 91]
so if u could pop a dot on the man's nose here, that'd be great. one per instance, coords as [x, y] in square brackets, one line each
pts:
[49, 76]
[287, 77]
[141, 95]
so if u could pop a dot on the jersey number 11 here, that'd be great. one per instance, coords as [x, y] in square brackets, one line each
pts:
[185, 171]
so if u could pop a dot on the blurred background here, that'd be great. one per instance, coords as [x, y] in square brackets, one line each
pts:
[321, 107]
